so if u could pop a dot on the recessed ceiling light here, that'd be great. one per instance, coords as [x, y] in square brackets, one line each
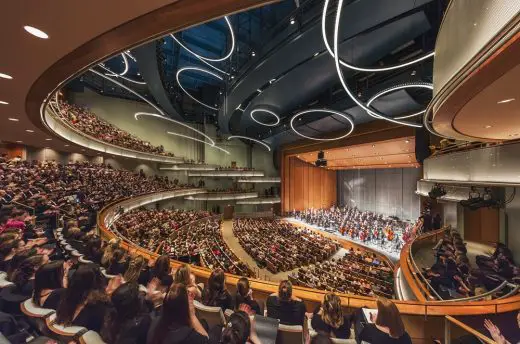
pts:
[373, 145]
[29, 130]
[19, 141]
[488, 126]
[505, 101]
[5, 76]
[13, 119]
[293, 21]
[413, 72]
[66, 145]
[253, 53]
[3, 103]
[36, 32]
[407, 141]
[48, 139]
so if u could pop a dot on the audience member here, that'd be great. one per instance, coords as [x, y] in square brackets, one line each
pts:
[240, 329]
[48, 284]
[285, 307]
[244, 297]
[329, 319]
[215, 294]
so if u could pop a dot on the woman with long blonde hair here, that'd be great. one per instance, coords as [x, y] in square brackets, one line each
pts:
[329, 318]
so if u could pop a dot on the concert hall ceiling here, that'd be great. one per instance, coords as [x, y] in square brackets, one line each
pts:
[394, 153]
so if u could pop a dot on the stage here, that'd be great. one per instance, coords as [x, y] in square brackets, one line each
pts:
[388, 249]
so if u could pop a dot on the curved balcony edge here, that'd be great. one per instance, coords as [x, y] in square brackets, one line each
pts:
[68, 133]
[222, 196]
[310, 296]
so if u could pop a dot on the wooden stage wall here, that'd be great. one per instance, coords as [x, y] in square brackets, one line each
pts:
[306, 186]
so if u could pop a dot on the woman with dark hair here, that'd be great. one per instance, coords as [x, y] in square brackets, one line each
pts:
[161, 271]
[17, 259]
[85, 302]
[177, 322]
[388, 327]
[93, 249]
[244, 296]
[118, 263]
[285, 307]
[183, 275]
[240, 329]
[329, 318]
[215, 293]
[8, 250]
[128, 322]
[48, 284]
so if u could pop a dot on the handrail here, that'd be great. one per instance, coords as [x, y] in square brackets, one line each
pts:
[447, 333]
[418, 272]
[79, 132]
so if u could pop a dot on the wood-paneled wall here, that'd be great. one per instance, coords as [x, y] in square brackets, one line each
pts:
[306, 186]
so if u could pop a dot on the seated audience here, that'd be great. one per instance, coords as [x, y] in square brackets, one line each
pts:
[329, 319]
[48, 284]
[128, 321]
[215, 293]
[177, 322]
[285, 307]
[244, 297]
[387, 326]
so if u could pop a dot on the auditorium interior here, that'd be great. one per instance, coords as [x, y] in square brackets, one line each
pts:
[260, 171]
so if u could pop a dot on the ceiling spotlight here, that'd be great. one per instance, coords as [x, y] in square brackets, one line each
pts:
[413, 72]
[293, 21]
[138, 73]
[506, 101]
[66, 145]
[13, 119]
[19, 141]
[3, 103]
[407, 141]
[253, 53]
[29, 130]
[232, 76]
[272, 80]
[36, 32]
[5, 76]
[48, 139]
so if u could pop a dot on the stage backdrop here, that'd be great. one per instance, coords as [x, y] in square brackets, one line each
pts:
[388, 191]
[306, 186]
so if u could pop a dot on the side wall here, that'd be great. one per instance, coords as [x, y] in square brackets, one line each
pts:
[386, 191]
[307, 186]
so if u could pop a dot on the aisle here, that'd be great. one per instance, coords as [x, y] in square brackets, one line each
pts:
[234, 245]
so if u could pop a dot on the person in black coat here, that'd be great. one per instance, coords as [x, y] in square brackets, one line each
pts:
[215, 293]
[244, 296]
[283, 306]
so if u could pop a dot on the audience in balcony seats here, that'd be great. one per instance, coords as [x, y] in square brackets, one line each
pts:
[178, 322]
[240, 329]
[329, 318]
[87, 122]
[183, 275]
[128, 320]
[284, 306]
[49, 284]
[215, 293]
[387, 327]
[84, 302]
[244, 297]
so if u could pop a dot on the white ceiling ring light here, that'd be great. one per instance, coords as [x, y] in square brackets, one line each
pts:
[271, 124]
[362, 69]
[162, 114]
[397, 88]
[333, 112]
[149, 114]
[250, 139]
[197, 140]
[371, 111]
[122, 75]
[199, 70]
[220, 59]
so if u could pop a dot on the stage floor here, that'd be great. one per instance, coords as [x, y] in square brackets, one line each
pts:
[392, 254]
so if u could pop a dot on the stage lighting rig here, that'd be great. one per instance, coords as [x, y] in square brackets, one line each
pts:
[437, 191]
[321, 162]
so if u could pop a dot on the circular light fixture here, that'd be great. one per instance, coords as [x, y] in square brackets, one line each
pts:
[3, 103]
[397, 88]
[139, 114]
[334, 112]
[5, 76]
[250, 139]
[162, 114]
[197, 140]
[13, 119]
[125, 70]
[371, 111]
[361, 69]
[188, 93]
[122, 75]
[36, 32]
[266, 111]
[29, 130]
[225, 57]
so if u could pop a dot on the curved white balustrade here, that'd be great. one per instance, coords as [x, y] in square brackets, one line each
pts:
[222, 196]
[138, 201]
[261, 200]
[71, 134]
[260, 180]
[226, 173]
